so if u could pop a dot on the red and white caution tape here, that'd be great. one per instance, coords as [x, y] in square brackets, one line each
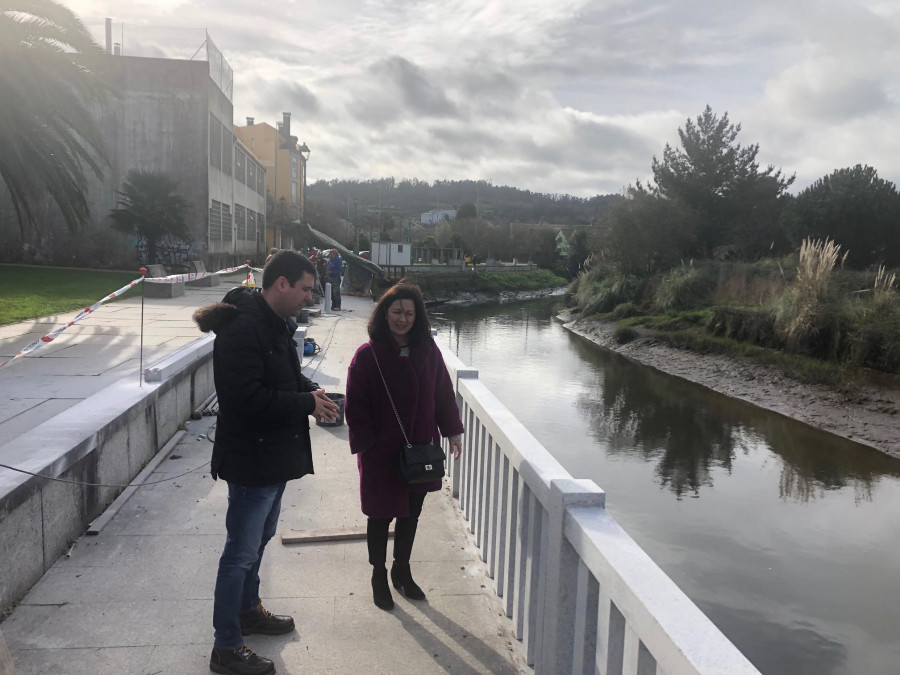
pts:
[51, 336]
[193, 276]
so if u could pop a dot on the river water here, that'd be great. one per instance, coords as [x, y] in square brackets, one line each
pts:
[788, 538]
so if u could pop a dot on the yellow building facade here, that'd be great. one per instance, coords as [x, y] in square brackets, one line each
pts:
[285, 161]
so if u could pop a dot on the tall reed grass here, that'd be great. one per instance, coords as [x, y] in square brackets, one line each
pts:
[806, 316]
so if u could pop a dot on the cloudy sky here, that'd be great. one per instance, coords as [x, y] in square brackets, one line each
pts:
[567, 96]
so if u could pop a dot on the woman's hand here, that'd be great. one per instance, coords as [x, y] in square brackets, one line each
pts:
[456, 448]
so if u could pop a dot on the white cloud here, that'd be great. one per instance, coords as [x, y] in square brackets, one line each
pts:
[566, 96]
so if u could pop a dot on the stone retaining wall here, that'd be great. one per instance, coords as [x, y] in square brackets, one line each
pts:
[107, 438]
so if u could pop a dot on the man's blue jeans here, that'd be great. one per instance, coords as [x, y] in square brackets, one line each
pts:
[250, 523]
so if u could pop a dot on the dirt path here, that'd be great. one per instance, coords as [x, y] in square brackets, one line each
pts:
[870, 416]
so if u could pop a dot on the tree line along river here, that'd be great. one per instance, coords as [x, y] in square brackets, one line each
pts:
[787, 537]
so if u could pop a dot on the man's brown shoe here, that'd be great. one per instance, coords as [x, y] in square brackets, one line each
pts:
[261, 621]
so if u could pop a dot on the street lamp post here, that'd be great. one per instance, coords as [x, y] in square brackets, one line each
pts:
[304, 153]
[356, 224]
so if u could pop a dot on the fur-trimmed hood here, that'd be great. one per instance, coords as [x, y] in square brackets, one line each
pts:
[211, 317]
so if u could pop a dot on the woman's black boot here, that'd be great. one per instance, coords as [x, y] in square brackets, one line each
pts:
[381, 592]
[376, 539]
[401, 577]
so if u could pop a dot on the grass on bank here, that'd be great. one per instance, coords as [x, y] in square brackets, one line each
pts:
[687, 330]
[439, 285]
[29, 292]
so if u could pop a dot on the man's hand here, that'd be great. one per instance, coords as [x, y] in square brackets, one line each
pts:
[326, 409]
[456, 448]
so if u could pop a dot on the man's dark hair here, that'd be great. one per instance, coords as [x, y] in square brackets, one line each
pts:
[288, 264]
[402, 290]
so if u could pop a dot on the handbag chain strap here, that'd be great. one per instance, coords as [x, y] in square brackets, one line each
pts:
[390, 398]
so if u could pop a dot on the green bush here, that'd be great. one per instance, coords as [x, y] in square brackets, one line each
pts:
[569, 297]
[875, 332]
[625, 310]
[756, 326]
[685, 287]
[596, 298]
[821, 332]
[624, 334]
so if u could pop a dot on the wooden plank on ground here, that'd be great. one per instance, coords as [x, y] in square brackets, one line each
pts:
[337, 534]
[7, 667]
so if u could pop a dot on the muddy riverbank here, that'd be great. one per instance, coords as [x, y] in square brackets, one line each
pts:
[871, 415]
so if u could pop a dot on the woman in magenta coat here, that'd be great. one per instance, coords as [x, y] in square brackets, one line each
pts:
[423, 393]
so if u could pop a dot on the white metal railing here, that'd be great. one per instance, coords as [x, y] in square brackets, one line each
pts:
[582, 595]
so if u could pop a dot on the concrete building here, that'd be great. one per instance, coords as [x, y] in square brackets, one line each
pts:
[174, 116]
[437, 215]
[285, 162]
[391, 254]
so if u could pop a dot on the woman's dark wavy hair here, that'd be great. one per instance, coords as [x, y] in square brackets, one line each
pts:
[402, 290]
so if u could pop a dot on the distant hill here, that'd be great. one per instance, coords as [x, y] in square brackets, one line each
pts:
[408, 198]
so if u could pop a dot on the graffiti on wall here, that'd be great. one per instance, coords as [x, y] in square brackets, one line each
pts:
[171, 251]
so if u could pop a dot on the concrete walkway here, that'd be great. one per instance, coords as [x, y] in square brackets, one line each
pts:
[137, 598]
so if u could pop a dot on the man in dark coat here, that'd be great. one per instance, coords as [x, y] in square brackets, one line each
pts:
[261, 442]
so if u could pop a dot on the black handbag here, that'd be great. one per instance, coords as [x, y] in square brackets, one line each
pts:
[421, 463]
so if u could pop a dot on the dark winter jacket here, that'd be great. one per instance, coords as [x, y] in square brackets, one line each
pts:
[262, 434]
[423, 393]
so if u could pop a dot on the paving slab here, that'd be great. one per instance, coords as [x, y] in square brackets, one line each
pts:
[137, 598]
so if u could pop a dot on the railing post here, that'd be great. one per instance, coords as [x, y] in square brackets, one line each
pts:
[556, 606]
[456, 464]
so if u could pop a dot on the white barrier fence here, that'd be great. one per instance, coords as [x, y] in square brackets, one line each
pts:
[582, 595]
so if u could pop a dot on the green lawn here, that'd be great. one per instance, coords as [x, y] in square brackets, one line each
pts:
[30, 292]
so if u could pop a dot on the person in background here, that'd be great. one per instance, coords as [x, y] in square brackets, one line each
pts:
[317, 258]
[335, 271]
[261, 442]
[415, 374]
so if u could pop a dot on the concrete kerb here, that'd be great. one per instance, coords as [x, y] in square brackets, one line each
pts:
[96, 527]
[183, 358]
[106, 438]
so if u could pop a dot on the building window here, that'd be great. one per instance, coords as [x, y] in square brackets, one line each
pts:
[240, 221]
[293, 193]
[240, 165]
[215, 142]
[261, 181]
[251, 225]
[399, 248]
[251, 173]
[261, 224]
[226, 222]
[215, 221]
[294, 168]
[227, 150]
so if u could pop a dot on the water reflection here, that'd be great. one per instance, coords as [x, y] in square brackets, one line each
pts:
[641, 416]
[688, 430]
